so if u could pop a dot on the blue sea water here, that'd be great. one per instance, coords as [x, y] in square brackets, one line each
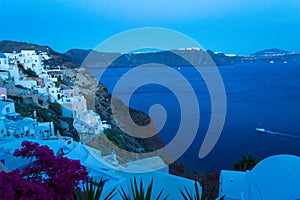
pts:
[266, 95]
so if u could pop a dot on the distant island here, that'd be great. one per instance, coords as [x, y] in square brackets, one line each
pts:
[73, 58]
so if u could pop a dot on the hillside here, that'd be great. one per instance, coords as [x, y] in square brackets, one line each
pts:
[271, 52]
[98, 99]
[74, 58]
[175, 58]
[57, 58]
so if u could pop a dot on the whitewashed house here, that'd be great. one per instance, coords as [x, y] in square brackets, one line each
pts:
[7, 108]
[54, 92]
[44, 55]
[31, 60]
[276, 177]
[30, 84]
[30, 128]
[3, 62]
[86, 121]
[54, 73]
[69, 104]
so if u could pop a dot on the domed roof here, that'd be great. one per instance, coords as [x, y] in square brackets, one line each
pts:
[2, 55]
[276, 177]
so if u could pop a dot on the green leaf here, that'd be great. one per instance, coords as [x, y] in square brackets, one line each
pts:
[138, 192]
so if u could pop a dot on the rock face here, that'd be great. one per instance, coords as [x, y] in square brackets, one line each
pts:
[99, 100]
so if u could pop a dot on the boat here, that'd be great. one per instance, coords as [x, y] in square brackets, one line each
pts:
[262, 130]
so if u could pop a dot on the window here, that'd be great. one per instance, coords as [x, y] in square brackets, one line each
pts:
[7, 110]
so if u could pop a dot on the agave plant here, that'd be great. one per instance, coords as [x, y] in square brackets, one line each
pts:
[188, 195]
[196, 195]
[138, 192]
[93, 191]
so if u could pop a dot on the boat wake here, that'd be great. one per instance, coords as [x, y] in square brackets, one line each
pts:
[261, 130]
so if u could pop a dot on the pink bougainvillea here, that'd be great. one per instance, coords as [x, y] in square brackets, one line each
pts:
[47, 176]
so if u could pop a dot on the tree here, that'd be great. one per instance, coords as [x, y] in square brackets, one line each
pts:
[246, 163]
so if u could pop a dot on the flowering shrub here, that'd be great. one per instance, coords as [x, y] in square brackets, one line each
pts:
[47, 176]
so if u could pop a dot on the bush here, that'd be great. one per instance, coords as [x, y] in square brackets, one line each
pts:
[30, 73]
[115, 137]
[47, 177]
[56, 107]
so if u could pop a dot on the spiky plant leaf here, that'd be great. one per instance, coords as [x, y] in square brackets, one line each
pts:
[93, 191]
[138, 192]
[188, 195]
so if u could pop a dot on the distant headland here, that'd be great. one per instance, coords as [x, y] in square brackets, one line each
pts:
[73, 58]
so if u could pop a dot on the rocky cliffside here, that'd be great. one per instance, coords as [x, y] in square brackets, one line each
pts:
[99, 100]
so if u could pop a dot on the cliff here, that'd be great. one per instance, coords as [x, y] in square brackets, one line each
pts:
[99, 99]
[74, 58]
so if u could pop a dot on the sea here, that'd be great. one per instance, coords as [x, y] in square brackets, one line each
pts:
[260, 95]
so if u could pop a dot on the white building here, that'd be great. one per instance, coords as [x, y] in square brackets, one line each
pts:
[54, 92]
[30, 128]
[3, 62]
[85, 121]
[7, 108]
[276, 177]
[89, 122]
[71, 104]
[54, 73]
[27, 83]
[12, 124]
[45, 56]
[31, 60]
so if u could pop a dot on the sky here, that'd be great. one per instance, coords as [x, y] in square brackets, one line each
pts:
[231, 26]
